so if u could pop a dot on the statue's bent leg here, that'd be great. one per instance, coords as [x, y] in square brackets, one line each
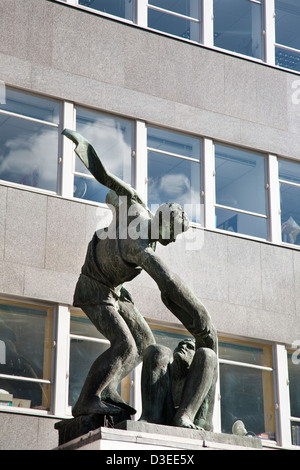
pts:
[143, 337]
[198, 393]
[121, 353]
[157, 403]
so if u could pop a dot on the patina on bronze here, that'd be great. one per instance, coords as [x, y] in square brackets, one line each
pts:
[114, 260]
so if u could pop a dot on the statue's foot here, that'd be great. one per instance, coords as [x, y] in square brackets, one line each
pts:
[184, 422]
[94, 406]
[115, 399]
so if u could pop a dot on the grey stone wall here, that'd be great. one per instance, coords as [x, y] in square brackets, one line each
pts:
[67, 53]
[249, 287]
[22, 432]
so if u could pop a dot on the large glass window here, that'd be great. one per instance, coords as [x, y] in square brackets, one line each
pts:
[241, 203]
[294, 388]
[112, 139]
[120, 8]
[246, 388]
[177, 17]
[289, 177]
[29, 140]
[287, 24]
[174, 170]
[25, 356]
[238, 26]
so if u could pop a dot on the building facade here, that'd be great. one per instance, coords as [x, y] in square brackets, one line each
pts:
[197, 102]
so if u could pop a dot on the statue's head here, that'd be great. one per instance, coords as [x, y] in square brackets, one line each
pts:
[184, 353]
[169, 221]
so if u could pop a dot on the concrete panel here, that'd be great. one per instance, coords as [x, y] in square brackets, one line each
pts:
[244, 273]
[49, 285]
[278, 283]
[12, 278]
[25, 228]
[66, 235]
[240, 89]
[27, 432]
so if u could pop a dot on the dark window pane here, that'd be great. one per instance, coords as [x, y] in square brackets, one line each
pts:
[287, 22]
[120, 8]
[240, 179]
[238, 27]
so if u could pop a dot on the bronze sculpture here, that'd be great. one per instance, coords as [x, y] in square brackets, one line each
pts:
[115, 255]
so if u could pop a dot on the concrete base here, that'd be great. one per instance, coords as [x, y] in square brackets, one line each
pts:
[136, 435]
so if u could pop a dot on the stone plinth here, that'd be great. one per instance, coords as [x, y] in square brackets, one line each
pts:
[136, 435]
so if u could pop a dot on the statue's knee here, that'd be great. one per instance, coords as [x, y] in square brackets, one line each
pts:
[207, 356]
[157, 355]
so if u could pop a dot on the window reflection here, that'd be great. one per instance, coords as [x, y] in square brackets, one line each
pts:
[120, 8]
[241, 204]
[289, 176]
[83, 351]
[186, 26]
[247, 392]
[112, 139]
[29, 140]
[25, 336]
[171, 178]
[238, 26]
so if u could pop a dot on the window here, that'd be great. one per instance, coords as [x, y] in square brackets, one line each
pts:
[241, 203]
[174, 170]
[294, 388]
[25, 356]
[29, 140]
[177, 17]
[120, 8]
[287, 20]
[289, 178]
[238, 26]
[86, 344]
[112, 138]
[246, 388]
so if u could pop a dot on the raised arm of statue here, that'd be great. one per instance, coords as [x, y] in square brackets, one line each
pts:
[91, 160]
[177, 297]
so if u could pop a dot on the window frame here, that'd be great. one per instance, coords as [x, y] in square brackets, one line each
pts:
[242, 211]
[43, 122]
[50, 367]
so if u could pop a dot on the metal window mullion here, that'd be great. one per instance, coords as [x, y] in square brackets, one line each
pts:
[67, 176]
[141, 14]
[22, 378]
[141, 160]
[173, 13]
[170, 154]
[207, 23]
[291, 183]
[209, 183]
[287, 48]
[274, 199]
[282, 396]
[89, 338]
[29, 118]
[241, 211]
[245, 364]
[61, 382]
[269, 19]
